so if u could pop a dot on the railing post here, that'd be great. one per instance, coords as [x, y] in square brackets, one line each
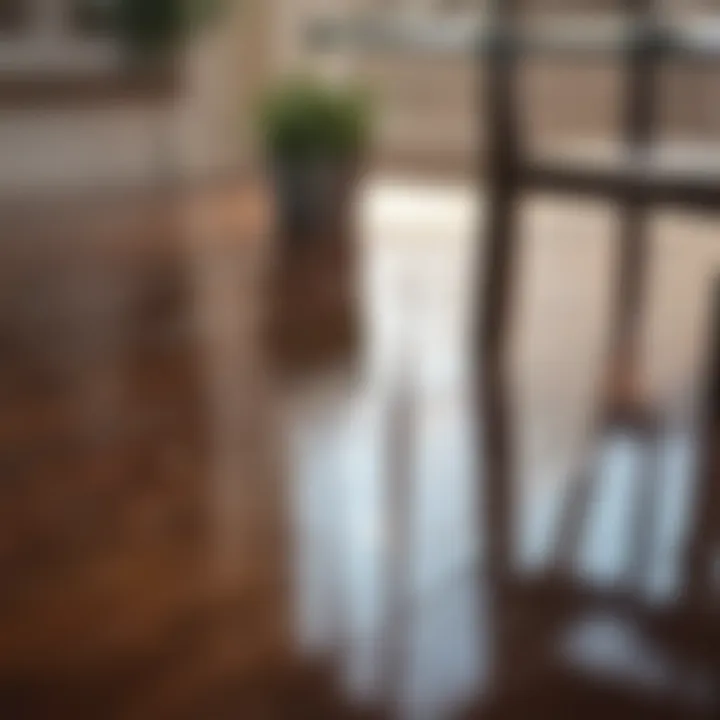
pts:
[496, 283]
[625, 402]
[706, 531]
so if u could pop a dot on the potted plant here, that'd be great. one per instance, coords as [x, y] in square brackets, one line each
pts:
[314, 137]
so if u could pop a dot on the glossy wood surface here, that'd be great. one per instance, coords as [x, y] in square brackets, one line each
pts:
[191, 529]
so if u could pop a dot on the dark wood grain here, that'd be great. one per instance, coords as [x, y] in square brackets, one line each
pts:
[154, 551]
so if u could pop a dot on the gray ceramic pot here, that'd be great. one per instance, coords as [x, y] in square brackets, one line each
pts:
[312, 197]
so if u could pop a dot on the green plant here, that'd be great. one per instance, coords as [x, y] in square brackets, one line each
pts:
[157, 27]
[302, 119]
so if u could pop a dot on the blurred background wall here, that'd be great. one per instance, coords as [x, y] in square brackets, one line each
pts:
[428, 101]
[72, 116]
[67, 121]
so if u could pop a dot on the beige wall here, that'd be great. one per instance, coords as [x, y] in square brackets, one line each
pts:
[204, 131]
[63, 149]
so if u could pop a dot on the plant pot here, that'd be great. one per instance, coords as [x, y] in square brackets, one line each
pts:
[313, 314]
[313, 198]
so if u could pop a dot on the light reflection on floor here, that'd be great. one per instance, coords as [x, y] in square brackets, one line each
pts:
[387, 489]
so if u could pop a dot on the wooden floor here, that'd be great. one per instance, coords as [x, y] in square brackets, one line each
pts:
[197, 522]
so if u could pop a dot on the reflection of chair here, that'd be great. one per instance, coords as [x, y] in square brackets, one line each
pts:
[538, 616]
[635, 186]
[634, 181]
